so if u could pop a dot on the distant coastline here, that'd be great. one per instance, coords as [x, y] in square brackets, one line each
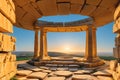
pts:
[30, 53]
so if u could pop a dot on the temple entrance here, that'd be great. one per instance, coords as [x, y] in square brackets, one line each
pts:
[90, 49]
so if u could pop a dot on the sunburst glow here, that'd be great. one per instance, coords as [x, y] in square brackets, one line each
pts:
[67, 48]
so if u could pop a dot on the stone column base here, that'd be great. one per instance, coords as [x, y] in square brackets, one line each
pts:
[47, 58]
[78, 61]
[94, 63]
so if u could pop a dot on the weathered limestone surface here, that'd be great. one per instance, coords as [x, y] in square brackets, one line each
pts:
[117, 13]
[91, 46]
[118, 68]
[115, 70]
[5, 24]
[83, 77]
[116, 50]
[24, 72]
[36, 45]
[104, 78]
[56, 78]
[83, 72]
[39, 75]
[99, 73]
[7, 66]
[8, 9]
[116, 76]
[113, 65]
[43, 46]
[63, 73]
[7, 42]
[102, 73]
[116, 27]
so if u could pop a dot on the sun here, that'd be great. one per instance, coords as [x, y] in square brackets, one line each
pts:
[67, 48]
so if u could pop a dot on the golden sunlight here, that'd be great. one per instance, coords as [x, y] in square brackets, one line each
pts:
[67, 49]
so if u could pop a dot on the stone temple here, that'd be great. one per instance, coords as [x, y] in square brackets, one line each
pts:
[25, 14]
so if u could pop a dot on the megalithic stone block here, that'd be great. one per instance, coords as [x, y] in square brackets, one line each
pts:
[7, 66]
[5, 24]
[7, 43]
[6, 7]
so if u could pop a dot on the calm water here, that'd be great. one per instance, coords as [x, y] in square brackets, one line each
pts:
[24, 53]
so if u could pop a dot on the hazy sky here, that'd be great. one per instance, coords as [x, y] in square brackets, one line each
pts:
[66, 41]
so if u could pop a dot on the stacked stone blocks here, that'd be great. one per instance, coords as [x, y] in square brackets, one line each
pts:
[116, 29]
[7, 42]
[7, 66]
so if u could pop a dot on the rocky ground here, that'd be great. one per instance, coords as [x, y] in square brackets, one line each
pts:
[66, 72]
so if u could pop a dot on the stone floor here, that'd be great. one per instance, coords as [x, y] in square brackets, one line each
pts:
[62, 72]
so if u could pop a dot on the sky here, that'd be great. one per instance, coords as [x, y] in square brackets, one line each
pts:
[66, 41]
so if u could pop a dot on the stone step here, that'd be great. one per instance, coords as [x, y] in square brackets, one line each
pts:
[58, 63]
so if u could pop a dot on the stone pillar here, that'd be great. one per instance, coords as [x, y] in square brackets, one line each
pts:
[43, 45]
[36, 42]
[94, 43]
[89, 45]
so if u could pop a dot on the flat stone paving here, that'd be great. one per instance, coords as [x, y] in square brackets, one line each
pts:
[62, 73]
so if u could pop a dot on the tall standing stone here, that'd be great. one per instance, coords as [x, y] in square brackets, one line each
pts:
[88, 53]
[43, 45]
[36, 47]
[94, 43]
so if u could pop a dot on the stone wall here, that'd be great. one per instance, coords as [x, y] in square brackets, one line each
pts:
[116, 29]
[7, 66]
[7, 42]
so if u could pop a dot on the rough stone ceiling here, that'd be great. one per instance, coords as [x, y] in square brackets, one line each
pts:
[28, 11]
